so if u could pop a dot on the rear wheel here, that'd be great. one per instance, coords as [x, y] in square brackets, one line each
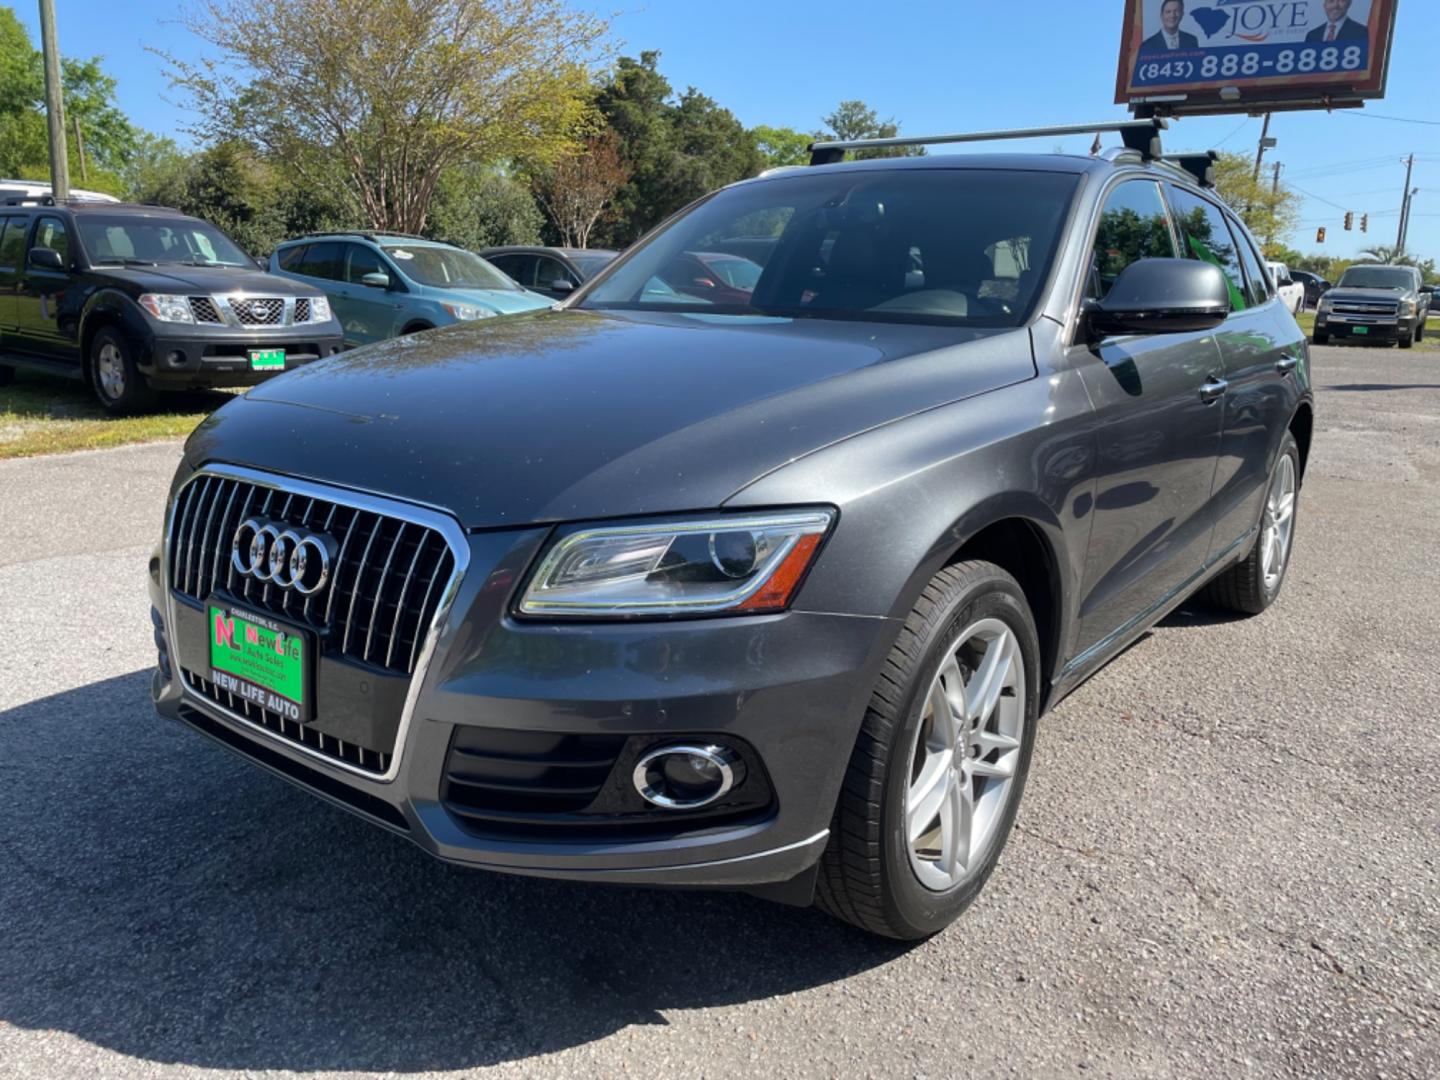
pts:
[1251, 586]
[934, 782]
[117, 383]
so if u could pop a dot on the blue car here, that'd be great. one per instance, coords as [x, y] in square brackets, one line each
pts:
[385, 285]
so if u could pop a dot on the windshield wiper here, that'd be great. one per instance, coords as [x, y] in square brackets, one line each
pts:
[116, 260]
[215, 265]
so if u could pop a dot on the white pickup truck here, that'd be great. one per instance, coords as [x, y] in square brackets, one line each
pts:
[1291, 292]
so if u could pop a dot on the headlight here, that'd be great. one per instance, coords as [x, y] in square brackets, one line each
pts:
[319, 309]
[1407, 307]
[167, 308]
[742, 565]
[466, 313]
[1324, 304]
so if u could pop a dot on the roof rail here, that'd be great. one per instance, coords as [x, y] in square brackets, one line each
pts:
[1139, 135]
[1200, 165]
[364, 234]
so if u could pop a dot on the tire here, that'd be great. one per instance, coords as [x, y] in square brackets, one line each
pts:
[1408, 341]
[416, 328]
[117, 383]
[7, 375]
[1319, 337]
[1246, 587]
[870, 875]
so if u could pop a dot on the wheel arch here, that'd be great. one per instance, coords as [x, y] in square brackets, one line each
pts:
[104, 309]
[416, 326]
[1302, 426]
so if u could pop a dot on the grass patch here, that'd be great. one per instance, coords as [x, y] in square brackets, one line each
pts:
[44, 415]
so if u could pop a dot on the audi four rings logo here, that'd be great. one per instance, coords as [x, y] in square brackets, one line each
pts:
[283, 555]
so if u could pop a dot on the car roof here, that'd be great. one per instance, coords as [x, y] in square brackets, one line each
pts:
[85, 206]
[569, 252]
[364, 237]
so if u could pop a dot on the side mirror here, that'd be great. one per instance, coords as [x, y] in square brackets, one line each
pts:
[376, 281]
[46, 259]
[561, 285]
[1161, 296]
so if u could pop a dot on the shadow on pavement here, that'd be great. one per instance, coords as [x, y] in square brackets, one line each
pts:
[164, 899]
[1363, 387]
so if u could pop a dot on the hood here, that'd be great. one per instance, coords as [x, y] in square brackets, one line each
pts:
[568, 415]
[1366, 295]
[502, 301]
[204, 280]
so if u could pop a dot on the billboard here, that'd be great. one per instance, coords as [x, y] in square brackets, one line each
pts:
[1200, 56]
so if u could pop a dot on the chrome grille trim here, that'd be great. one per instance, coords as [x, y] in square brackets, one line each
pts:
[203, 309]
[210, 482]
[259, 310]
[302, 309]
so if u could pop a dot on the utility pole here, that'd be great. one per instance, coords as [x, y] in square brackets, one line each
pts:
[1405, 218]
[1404, 206]
[54, 106]
[1275, 187]
[1265, 143]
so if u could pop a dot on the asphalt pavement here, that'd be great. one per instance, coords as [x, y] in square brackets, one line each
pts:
[1226, 861]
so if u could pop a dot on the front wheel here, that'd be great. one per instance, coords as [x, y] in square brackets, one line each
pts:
[1408, 341]
[934, 783]
[1320, 338]
[1251, 586]
[116, 380]
[7, 375]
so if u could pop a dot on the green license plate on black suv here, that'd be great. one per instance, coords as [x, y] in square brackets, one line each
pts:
[259, 661]
[267, 359]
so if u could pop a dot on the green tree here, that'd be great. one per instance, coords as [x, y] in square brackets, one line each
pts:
[392, 93]
[781, 146]
[478, 207]
[677, 150]
[855, 120]
[1269, 210]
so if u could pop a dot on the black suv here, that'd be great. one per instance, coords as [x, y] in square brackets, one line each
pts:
[1375, 303]
[766, 592]
[135, 299]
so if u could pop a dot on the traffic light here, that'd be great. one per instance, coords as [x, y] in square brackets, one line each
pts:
[1320, 235]
[1364, 222]
[1349, 220]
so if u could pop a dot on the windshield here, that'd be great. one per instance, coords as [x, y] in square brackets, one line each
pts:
[1378, 277]
[143, 240]
[448, 268]
[591, 263]
[967, 247]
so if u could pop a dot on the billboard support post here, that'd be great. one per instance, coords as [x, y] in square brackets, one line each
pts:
[1260, 150]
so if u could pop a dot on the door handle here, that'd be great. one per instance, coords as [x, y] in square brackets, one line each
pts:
[1212, 389]
[1287, 364]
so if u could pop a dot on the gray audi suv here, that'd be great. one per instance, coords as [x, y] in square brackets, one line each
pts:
[766, 591]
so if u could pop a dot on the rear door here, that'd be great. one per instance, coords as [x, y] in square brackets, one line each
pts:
[1157, 435]
[1262, 348]
[554, 278]
[518, 266]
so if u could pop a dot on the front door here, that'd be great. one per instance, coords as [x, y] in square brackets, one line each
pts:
[367, 312]
[1157, 436]
[12, 263]
[45, 322]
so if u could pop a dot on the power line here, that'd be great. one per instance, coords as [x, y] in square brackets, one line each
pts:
[1395, 119]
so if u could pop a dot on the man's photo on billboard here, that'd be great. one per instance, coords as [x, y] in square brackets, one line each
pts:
[1338, 26]
[1170, 38]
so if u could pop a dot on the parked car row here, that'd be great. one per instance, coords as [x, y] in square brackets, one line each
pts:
[139, 299]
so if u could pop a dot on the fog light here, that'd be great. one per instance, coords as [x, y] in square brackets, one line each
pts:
[687, 777]
[176, 358]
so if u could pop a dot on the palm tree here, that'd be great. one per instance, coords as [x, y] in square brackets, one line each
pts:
[1388, 256]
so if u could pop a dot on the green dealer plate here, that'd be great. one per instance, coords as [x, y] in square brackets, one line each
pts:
[267, 359]
[1360, 329]
[260, 661]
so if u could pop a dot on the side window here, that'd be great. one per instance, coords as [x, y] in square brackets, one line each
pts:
[291, 258]
[321, 261]
[361, 261]
[519, 267]
[1257, 287]
[1133, 226]
[548, 271]
[50, 233]
[1206, 237]
[12, 242]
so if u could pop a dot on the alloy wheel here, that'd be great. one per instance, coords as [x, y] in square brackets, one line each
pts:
[965, 755]
[1279, 524]
[110, 371]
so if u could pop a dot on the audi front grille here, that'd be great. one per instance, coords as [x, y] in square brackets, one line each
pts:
[392, 570]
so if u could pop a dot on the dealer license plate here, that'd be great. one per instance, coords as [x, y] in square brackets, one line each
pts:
[267, 359]
[259, 661]
[1360, 329]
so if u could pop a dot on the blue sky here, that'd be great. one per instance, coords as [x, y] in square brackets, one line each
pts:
[936, 67]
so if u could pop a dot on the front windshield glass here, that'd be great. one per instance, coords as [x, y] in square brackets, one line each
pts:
[591, 263]
[1378, 277]
[967, 247]
[117, 240]
[448, 268]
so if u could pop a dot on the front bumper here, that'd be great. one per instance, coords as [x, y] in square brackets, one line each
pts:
[791, 688]
[1365, 328]
[194, 356]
